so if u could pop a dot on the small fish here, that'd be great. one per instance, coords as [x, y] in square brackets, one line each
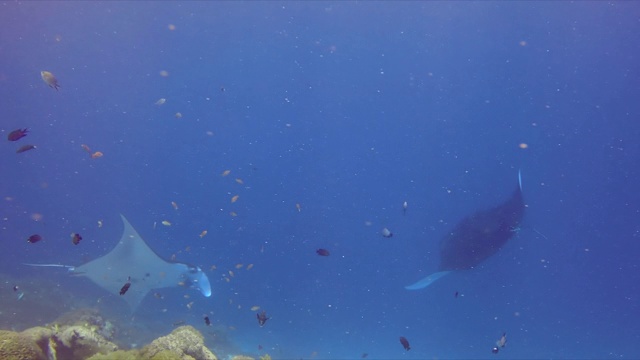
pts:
[322, 252]
[250, 266]
[97, 154]
[226, 172]
[233, 213]
[166, 223]
[207, 321]
[404, 208]
[298, 207]
[455, 295]
[34, 238]
[239, 266]
[203, 233]
[161, 101]
[75, 238]
[99, 223]
[405, 343]
[231, 273]
[255, 308]
[16, 135]
[262, 318]
[239, 181]
[502, 342]
[20, 295]
[24, 148]
[50, 79]
[178, 115]
[495, 350]
[175, 205]
[16, 288]
[86, 148]
[126, 287]
[387, 233]
[235, 198]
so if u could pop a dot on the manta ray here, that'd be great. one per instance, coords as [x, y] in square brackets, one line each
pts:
[477, 237]
[133, 262]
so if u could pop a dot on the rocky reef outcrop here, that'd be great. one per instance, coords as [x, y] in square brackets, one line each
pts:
[83, 335]
[184, 342]
[17, 346]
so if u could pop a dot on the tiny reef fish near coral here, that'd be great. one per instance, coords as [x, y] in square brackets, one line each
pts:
[18, 134]
[126, 287]
[24, 148]
[75, 238]
[262, 318]
[34, 238]
[405, 343]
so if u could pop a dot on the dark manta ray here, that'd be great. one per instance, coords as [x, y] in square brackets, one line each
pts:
[477, 237]
[133, 262]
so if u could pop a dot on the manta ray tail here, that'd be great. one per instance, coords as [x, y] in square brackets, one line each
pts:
[70, 267]
[520, 179]
[427, 281]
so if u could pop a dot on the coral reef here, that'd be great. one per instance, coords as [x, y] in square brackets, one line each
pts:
[81, 342]
[84, 335]
[117, 355]
[17, 346]
[184, 343]
[242, 357]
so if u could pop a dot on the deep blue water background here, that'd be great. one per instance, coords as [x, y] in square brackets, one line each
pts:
[348, 109]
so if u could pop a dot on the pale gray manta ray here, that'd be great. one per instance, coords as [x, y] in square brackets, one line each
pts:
[132, 260]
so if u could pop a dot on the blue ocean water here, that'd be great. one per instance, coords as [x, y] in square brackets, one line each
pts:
[329, 116]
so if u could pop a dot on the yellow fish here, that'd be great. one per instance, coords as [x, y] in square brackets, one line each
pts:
[49, 79]
[166, 223]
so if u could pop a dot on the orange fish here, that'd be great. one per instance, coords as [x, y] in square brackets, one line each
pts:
[96, 155]
[235, 198]
[86, 148]
[203, 233]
